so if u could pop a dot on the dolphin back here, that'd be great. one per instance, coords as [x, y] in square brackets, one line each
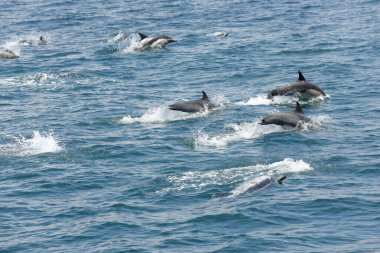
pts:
[301, 88]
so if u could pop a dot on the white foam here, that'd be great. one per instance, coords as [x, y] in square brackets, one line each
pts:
[243, 177]
[242, 131]
[261, 99]
[134, 44]
[317, 122]
[163, 114]
[37, 144]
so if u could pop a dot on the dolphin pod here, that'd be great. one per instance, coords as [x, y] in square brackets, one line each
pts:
[300, 88]
[255, 187]
[286, 118]
[193, 106]
[153, 42]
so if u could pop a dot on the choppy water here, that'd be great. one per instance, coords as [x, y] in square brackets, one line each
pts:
[92, 160]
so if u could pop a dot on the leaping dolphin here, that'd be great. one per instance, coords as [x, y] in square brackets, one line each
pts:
[7, 54]
[156, 41]
[300, 88]
[286, 118]
[192, 106]
[257, 186]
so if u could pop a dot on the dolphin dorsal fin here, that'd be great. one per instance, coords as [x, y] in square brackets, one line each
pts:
[204, 97]
[143, 36]
[298, 108]
[301, 77]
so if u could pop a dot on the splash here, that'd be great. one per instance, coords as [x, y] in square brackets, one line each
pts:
[241, 177]
[316, 122]
[262, 99]
[134, 44]
[242, 131]
[162, 114]
[37, 144]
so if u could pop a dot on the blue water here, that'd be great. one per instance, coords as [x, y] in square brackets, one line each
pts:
[92, 160]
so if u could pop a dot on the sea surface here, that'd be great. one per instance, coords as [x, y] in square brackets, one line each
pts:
[92, 159]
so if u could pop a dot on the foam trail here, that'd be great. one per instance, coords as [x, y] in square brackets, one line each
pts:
[243, 177]
[37, 144]
[243, 131]
[163, 114]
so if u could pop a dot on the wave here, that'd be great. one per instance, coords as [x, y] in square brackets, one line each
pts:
[241, 177]
[163, 114]
[37, 144]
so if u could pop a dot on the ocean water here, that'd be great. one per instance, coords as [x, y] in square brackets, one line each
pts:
[92, 159]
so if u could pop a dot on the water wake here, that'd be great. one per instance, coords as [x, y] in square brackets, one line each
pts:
[37, 144]
[241, 177]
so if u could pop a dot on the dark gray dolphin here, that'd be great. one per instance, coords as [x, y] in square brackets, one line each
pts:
[7, 54]
[257, 186]
[286, 118]
[300, 88]
[192, 106]
[156, 41]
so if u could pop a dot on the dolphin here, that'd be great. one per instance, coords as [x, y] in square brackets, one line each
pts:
[286, 118]
[156, 41]
[193, 106]
[300, 88]
[40, 41]
[7, 54]
[257, 186]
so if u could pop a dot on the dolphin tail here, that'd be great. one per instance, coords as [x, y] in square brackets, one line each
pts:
[301, 77]
[280, 179]
[298, 108]
[204, 97]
